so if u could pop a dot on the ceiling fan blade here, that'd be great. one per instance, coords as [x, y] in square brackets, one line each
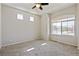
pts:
[33, 7]
[40, 8]
[44, 3]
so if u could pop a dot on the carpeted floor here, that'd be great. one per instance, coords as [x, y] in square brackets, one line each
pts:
[39, 48]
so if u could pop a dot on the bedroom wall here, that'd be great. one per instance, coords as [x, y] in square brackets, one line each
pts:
[18, 31]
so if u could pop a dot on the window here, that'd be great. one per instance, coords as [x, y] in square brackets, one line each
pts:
[20, 16]
[71, 28]
[63, 27]
[56, 27]
[32, 19]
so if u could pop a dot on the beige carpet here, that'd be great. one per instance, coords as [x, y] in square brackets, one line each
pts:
[39, 48]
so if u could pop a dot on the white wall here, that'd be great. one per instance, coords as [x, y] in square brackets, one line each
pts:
[45, 26]
[72, 40]
[0, 25]
[17, 31]
[77, 24]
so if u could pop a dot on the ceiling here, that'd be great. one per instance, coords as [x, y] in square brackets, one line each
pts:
[52, 7]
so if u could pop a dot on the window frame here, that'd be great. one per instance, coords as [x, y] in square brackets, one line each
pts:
[67, 26]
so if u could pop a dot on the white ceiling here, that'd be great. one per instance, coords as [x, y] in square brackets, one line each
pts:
[52, 7]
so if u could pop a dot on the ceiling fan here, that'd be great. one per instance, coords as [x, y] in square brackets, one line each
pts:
[39, 5]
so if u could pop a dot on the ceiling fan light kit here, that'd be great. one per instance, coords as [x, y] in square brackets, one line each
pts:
[38, 5]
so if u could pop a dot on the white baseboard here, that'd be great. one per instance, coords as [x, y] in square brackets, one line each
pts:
[16, 43]
[64, 43]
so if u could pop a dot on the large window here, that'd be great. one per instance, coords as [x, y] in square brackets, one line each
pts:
[63, 27]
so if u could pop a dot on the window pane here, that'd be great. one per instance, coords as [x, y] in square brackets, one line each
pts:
[56, 28]
[70, 27]
[53, 28]
[32, 19]
[20, 16]
[65, 28]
